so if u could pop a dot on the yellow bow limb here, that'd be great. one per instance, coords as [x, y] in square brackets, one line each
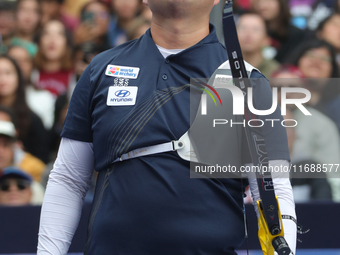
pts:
[265, 237]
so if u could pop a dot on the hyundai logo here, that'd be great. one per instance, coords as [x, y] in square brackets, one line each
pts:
[122, 93]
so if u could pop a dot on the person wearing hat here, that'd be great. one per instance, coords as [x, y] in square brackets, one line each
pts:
[7, 139]
[11, 152]
[15, 187]
[12, 156]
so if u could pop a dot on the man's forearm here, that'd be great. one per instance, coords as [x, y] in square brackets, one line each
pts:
[67, 186]
[284, 193]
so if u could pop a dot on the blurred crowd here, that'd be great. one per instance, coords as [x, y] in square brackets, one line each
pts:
[45, 45]
[297, 44]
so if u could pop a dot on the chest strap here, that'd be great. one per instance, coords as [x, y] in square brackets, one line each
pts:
[182, 146]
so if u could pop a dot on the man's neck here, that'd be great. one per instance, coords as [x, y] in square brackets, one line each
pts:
[178, 34]
[253, 58]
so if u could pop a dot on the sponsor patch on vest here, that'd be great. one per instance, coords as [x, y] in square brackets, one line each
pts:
[122, 71]
[121, 96]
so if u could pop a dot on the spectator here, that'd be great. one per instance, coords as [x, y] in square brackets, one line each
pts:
[71, 12]
[251, 30]
[51, 10]
[306, 186]
[146, 13]
[93, 27]
[72, 7]
[317, 137]
[56, 10]
[316, 59]
[7, 134]
[337, 6]
[300, 10]
[138, 27]
[11, 153]
[125, 12]
[83, 56]
[41, 102]
[54, 66]
[61, 107]
[12, 94]
[329, 31]
[309, 187]
[285, 37]
[7, 24]
[28, 20]
[321, 10]
[15, 187]
[24, 60]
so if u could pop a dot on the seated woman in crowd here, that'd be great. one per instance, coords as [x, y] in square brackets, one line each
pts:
[125, 11]
[315, 138]
[316, 60]
[53, 62]
[329, 31]
[27, 23]
[91, 32]
[253, 38]
[31, 130]
[41, 102]
[285, 36]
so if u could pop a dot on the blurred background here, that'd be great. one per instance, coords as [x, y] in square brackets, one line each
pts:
[45, 45]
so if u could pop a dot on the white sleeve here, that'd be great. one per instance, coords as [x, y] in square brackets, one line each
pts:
[284, 192]
[67, 186]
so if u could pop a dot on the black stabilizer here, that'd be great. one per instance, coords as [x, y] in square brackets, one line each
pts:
[280, 246]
